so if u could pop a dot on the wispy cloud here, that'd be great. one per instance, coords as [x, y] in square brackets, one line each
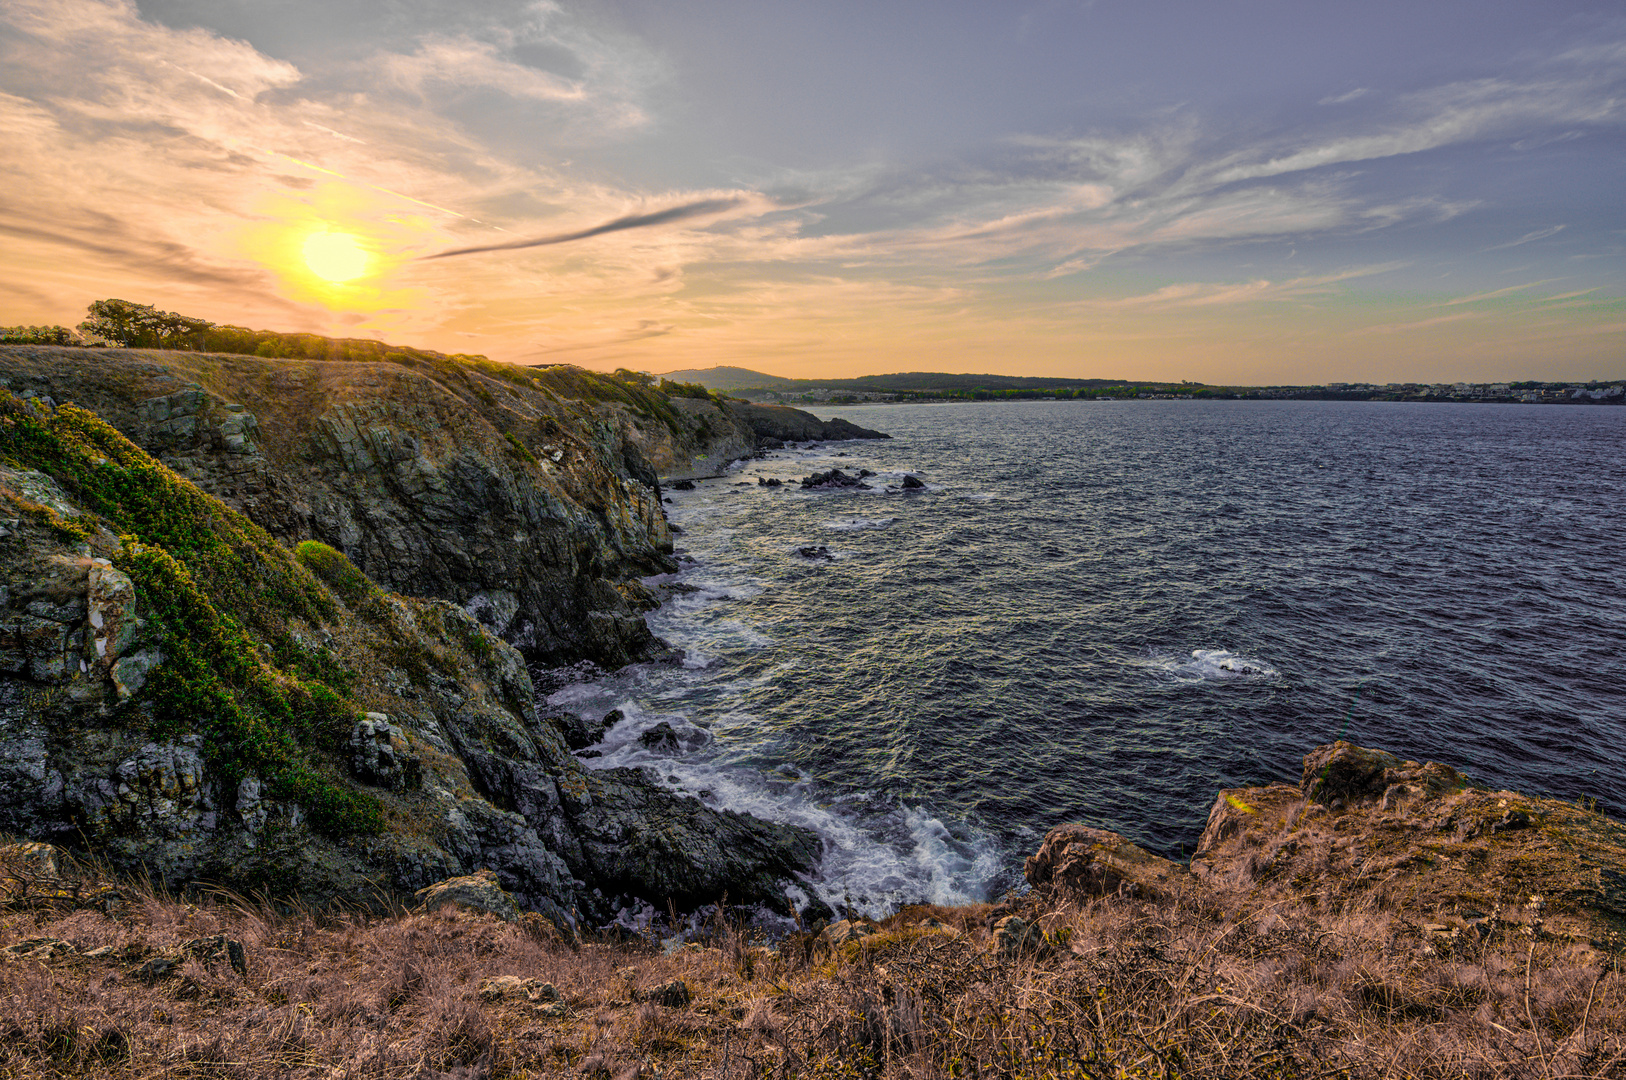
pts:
[1492, 294]
[703, 208]
[1205, 294]
[1348, 96]
[1419, 324]
[1539, 234]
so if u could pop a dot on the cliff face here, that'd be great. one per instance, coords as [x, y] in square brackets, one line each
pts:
[179, 691]
[505, 499]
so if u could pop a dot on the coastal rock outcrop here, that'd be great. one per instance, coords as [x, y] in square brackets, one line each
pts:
[447, 483]
[781, 423]
[182, 691]
[1365, 828]
[1077, 862]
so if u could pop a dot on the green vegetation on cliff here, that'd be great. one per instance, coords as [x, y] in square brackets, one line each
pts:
[218, 589]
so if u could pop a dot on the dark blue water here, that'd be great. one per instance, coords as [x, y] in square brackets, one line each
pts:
[1103, 612]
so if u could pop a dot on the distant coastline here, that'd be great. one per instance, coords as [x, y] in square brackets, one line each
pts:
[940, 386]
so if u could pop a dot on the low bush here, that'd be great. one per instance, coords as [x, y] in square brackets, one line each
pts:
[341, 575]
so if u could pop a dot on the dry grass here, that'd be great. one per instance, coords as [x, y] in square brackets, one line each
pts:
[1171, 989]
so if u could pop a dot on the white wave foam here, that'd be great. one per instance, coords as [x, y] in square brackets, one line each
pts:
[1209, 665]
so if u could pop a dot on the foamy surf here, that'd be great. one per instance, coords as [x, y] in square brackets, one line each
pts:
[1209, 665]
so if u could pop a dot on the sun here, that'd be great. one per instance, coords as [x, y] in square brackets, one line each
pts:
[336, 256]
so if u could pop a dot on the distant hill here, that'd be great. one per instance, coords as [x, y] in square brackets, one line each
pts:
[916, 382]
[729, 378]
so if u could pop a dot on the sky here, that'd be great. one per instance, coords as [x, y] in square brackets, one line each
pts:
[1225, 191]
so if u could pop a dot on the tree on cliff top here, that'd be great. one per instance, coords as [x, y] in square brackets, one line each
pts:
[143, 326]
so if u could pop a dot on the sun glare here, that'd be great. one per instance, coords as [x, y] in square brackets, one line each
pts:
[336, 256]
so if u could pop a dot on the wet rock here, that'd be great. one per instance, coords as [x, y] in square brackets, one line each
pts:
[638, 839]
[833, 480]
[580, 732]
[478, 892]
[814, 551]
[681, 485]
[771, 482]
[912, 483]
[1076, 861]
[662, 737]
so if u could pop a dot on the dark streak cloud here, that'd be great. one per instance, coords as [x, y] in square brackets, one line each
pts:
[630, 221]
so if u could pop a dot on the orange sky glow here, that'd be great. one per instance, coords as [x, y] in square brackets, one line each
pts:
[191, 167]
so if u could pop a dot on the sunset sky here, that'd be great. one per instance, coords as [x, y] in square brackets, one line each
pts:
[1227, 192]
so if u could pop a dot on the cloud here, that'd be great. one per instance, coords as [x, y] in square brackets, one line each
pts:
[1446, 115]
[703, 208]
[1207, 294]
[1539, 234]
[1492, 294]
[1340, 99]
[1398, 328]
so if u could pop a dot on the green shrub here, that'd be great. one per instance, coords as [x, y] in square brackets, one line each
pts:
[207, 576]
[335, 568]
[38, 335]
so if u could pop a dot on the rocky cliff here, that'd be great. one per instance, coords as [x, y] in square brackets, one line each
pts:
[180, 690]
[1364, 831]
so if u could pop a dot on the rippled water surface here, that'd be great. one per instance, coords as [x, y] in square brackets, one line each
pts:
[1103, 612]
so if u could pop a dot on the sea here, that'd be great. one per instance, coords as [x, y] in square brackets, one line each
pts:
[1104, 612]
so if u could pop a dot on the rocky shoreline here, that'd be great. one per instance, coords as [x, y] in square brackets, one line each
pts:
[377, 556]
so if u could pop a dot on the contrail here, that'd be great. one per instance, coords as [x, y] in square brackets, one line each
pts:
[631, 221]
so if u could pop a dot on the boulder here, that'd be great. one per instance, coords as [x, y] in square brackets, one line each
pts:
[681, 485]
[912, 483]
[662, 737]
[774, 482]
[633, 837]
[478, 892]
[1343, 770]
[833, 480]
[814, 551]
[28, 861]
[1076, 861]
